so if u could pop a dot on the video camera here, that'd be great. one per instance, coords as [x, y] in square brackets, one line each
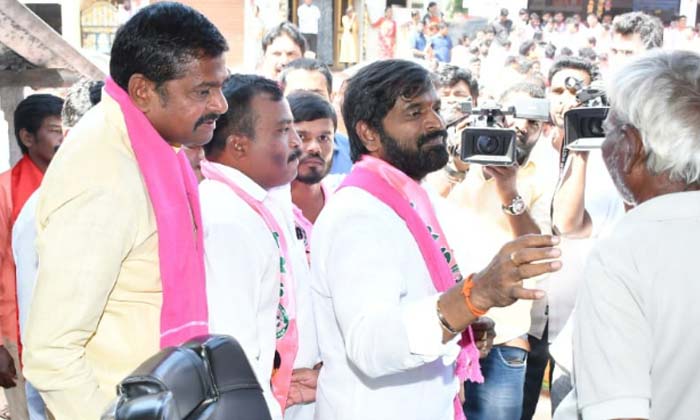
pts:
[485, 142]
[583, 126]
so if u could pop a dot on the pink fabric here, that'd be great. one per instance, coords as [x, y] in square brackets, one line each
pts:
[172, 188]
[287, 334]
[411, 202]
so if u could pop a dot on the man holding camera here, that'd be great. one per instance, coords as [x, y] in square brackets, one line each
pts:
[508, 202]
[459, 92]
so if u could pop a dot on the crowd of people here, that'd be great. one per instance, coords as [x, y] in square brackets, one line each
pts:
[332, 228]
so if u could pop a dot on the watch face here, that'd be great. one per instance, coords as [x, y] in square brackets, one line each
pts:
[518, 206]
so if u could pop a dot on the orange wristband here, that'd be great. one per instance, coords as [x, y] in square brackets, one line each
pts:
[467, 292]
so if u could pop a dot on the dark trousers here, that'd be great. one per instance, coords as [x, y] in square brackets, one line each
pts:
[534, 374]
[312, 41]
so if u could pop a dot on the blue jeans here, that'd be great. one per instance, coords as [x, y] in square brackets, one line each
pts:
[500, 397]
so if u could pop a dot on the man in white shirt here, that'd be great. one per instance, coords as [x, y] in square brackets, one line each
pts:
[315, 122]
[634, 340]
[388, 339]
[254, 152]
[309, 14]
[281, 45]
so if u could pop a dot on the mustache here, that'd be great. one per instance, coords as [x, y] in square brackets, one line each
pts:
[296, 154]
[425, 138]
[205, 119]
[312, 155]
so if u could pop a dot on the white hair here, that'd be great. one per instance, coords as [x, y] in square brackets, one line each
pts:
[659, 94]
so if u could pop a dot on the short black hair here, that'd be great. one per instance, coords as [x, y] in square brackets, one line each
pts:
[160, 40]
[530, 88]
[649, 28]
[309, 64]
[31, 113]
[239, 90]
[550, 50]
[284, 29]
[566, 52]
[431, 4]
[449, 75]
[526, 46]
[566, 62]
[373, 91]
[308, 106]
[588, 53]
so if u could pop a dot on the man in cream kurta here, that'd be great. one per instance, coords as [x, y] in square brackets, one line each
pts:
[96, 310]
[105, 294]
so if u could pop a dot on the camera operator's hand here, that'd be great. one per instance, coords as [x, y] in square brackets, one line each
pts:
[484, 330]
[505, 178]
[500, 283]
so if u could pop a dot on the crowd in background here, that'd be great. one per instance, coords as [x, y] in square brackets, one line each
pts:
[117, 249]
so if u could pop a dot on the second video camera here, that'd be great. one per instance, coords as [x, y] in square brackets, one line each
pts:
[486, 142]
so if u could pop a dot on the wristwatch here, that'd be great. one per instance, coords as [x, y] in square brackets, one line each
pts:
[516, 207]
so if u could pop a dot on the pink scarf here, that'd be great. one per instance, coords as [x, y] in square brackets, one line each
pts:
[287, 336]
[411, 202]
[172, 189]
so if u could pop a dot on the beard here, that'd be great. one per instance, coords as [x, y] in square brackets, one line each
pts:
[313, 174]
[419, 162]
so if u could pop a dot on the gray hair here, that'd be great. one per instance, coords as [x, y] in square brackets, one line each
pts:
[649, 28]
[659, 94]
[82, 96]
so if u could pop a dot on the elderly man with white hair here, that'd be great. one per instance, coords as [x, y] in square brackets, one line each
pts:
[635, 340]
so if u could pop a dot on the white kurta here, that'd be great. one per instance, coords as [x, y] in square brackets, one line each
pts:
[242, 269]
[379, 336]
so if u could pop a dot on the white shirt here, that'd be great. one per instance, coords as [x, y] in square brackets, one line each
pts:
[379, 335]
[242, 271]
[308, 17]
[635, 340]
[307, 353]
[26, 259]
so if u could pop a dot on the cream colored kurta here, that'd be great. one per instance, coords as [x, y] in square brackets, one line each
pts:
[95, 315]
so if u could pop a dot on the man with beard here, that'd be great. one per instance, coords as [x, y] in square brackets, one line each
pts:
[256, 286]
[311, 75]
[315, 122]
[39, 133]
[393, 320]
[507, 202]
[121, 271]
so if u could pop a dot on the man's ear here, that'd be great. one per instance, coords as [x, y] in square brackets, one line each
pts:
[634, 153]
[26, 138]
[237, 146]
[369, 136]
[142, 92]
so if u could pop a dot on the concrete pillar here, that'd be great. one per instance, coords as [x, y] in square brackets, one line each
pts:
[10, 152]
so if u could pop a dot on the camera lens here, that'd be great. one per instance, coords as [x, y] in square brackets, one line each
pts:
[486, 145]
[595, 127]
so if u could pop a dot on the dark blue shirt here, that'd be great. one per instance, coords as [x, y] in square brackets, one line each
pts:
[418, 41]
[442, 46]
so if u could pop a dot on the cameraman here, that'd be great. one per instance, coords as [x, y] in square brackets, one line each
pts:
[456, 87]
[508, 202]
[633, 34]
